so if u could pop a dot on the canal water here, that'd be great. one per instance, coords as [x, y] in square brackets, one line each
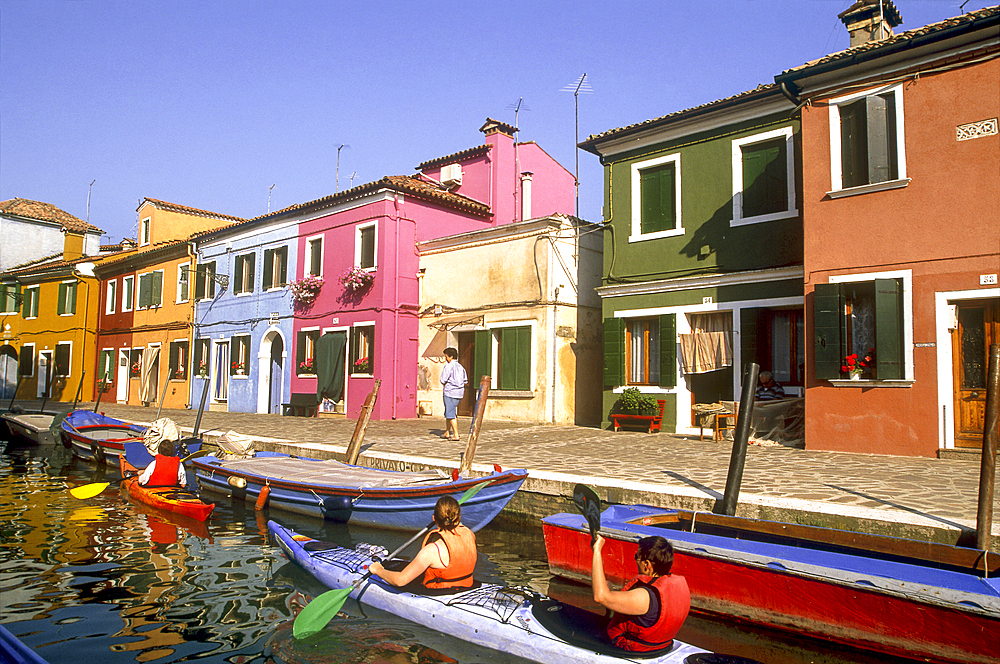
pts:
[106, 580]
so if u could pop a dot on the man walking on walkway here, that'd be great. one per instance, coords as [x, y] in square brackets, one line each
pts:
[453, 380]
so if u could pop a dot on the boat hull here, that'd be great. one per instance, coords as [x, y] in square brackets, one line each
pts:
[32, 428]
[864, 601]
[168, 498]
[496, 617]
[408, 508]
[98, 438]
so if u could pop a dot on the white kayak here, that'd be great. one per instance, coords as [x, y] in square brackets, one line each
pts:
[512, 620]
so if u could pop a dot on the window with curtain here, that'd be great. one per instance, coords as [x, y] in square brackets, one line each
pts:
[112, 297]
[202, 356]
[365, 249]
[642, 351]
[29, 305]
[314, 249]
[362, 349]
[9, 298]
[204, 281]
[128, 292]
[240, 364]
[275, 267]
[305, 352]
[220, 391]
[67, 298]
[243, 274]
[179, 359]
[863, 318]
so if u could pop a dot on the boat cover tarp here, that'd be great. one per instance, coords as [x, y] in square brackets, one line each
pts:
[158, 431]
[329, 472]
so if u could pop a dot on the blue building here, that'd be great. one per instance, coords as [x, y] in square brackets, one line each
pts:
[243, 316]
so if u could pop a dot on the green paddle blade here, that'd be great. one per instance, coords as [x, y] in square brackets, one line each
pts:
[318, 612]
[88, 490]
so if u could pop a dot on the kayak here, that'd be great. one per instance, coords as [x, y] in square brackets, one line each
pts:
[170, 498]
[512, 620]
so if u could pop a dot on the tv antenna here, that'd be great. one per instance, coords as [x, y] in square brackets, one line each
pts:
[577, 87]
[269, 198]
[517, 108]
[88, 199]
[339, 148]
[352, 178]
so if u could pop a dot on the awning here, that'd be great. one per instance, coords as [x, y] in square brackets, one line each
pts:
[447, 323]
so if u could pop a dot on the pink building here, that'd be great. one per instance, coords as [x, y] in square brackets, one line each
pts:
[351, 332]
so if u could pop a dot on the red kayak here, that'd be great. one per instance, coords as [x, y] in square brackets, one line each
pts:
[170, 498]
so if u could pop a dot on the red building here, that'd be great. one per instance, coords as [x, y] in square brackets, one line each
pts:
[901, 209]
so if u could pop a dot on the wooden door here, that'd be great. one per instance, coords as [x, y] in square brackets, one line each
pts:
[466, 354]
[978, 328]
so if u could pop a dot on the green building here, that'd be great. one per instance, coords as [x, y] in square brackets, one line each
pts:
[703, 253]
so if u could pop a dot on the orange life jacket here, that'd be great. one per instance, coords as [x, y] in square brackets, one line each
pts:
[461, 543]
[165, 471]
[675, 602]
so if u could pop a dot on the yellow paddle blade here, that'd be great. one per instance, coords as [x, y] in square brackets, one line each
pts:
[88, 490]
[88, 514]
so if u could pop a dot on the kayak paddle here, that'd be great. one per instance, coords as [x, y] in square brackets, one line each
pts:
[590, 507]
[323, 608]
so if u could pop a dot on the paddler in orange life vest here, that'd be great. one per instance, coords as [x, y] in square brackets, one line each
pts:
[166, 469]
[650, 609]
[447, 557]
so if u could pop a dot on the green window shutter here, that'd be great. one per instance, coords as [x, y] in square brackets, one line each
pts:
[614, 352]
[61, 305]
[238, 276]
[62, 360]
[199, 282]
[888, 329]
[156, 289]
[26, 304]
[283, 265]
[482, 361]
[764, 178]
[269, 258]
[173, 357]
[515, 358]
[878, 139]
[71, 292]
[828, 350]
[853, 144]
[668, 350]
[251, 260]
[656, 189]
[145, 284]
[26, 362]
[752, 337]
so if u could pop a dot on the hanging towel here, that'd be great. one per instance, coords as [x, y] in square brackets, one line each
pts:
[702, 352]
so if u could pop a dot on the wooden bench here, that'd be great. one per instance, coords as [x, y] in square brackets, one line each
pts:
[301, 405]
[650, 422]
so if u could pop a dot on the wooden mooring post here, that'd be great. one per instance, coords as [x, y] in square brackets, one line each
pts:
[477, 424]
[988, 465]
[354, 449]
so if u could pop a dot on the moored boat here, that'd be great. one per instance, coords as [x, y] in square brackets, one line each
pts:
[170, 498]
[97, 437]
[28, 427]
[900, 597]
[338, 491]
[517, 621]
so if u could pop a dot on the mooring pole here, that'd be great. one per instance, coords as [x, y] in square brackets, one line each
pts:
[987, 468]
[477, 423]
[740, 438]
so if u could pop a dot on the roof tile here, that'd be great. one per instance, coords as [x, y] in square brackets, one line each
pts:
[29, 209]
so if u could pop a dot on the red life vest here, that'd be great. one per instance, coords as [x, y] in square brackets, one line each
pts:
[165, 471]
[461, 543]
[675, 602]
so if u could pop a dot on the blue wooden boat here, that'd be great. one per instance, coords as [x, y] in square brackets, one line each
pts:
[13, 651]
[517, 621]
[341, 492]
[901, 597]
[97, 437]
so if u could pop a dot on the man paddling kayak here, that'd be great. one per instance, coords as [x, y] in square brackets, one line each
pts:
[447, 557]
[650, 609]
[166, 469]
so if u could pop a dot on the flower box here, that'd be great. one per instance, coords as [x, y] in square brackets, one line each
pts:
[305, 290]
[356, 278]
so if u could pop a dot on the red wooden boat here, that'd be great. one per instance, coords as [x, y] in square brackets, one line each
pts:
[170, 498]
[901, 597]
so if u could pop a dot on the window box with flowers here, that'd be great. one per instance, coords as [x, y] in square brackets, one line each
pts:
[179, 373]
[362, 365]
[356, 278]
[238, 369]
[203, 369]
[856, 367]
[104, 386]
[136, 369]
[305, 290]
[307, 367]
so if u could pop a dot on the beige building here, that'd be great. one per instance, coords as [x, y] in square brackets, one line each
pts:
[518, 303]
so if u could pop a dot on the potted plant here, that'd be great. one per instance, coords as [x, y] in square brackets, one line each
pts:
[356, 278]
[855, 366]
[136, 369]
[362, 365]
[308, 366]
[305, 290]
[238, 368]
[104, 385]
[634, 402]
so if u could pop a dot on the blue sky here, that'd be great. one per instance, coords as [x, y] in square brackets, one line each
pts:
[209, 104]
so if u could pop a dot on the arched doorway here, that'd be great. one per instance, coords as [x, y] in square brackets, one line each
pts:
[8, 371]
[271, 362]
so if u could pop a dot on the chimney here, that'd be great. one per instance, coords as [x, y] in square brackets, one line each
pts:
[525, 196]
[72, 245]
[496, 127]
[870, 20]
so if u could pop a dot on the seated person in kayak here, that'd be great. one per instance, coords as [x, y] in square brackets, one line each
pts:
[447, 557]
[166, 469]
[650, 609]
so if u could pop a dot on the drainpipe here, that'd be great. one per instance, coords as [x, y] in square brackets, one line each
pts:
[395, 310]
[194, 317]
[555, 363]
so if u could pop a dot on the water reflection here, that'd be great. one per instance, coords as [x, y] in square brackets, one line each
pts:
[110, 580]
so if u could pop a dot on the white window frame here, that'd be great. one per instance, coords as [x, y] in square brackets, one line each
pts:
[357, 245]
[144, 231]
[114, 363]
[37, 294]
[350, 361]
[112, 300]
[128, 285]
[69, 362]
[906, 278]
[240, 263]
[308, 257]
[151, 305]
[738, 145]
[183, 281]
[305, 353]
[495, 353]
[637, 234]
[836, 167]
[34, 358]
[70, 288]
[273, 269]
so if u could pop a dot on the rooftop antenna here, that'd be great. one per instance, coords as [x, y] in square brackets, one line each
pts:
[269, 198]
[352, 178]
[88, 200]
[517, 109]
[576, 87]
[517, 164]
[339, 148]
